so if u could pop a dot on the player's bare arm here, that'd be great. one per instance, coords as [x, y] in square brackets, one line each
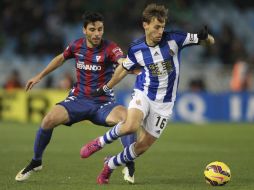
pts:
[119, 74]
[55, 63]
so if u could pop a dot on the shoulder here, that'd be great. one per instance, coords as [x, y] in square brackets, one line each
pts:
[174, 34]
[108, 44]
[137, 44]
[77, 42]
[137, 41]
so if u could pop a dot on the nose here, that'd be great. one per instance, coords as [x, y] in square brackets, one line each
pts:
[97, 33]
[161, 31]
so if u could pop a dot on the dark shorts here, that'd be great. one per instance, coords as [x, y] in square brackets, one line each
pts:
[80, 109]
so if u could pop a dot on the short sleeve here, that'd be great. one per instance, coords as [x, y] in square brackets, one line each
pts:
[68, 53]
[115, 52]
[130, 63]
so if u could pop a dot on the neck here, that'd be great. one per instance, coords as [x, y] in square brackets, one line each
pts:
[149, 42]
[90, 45]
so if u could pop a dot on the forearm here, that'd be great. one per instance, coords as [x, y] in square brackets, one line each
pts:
[55, 63]
[119, 74]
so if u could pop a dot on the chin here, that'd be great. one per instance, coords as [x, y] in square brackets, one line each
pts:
[96, 44]
[157, 40]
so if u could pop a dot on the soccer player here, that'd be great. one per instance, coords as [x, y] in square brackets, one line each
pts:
[158, 55]
[96, 60]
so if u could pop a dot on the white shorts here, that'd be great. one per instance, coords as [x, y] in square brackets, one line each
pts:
[156, 114]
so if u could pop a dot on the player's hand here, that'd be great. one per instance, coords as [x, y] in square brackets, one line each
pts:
[101, 91]
[203, 33]
[30, 83]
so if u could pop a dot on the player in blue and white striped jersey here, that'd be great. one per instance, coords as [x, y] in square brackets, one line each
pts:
[160, 64]
[157, 54]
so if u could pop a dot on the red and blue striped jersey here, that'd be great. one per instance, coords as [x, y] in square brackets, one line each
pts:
[94, 67]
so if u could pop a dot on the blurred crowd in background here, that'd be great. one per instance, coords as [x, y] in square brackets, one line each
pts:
[32, 32]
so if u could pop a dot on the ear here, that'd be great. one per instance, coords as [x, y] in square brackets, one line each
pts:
[145, 25]
[84, 30]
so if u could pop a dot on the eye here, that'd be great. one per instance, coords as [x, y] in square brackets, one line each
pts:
[157, 27]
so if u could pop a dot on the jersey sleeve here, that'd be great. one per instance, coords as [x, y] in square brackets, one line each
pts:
[68, 53]
[130, 63]
[115, 52]
[184, 39]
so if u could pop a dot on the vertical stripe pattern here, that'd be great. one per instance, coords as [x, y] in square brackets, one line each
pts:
[127, 155]
[161, 64]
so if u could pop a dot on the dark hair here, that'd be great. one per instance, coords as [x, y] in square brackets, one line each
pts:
[89, 17]
[154, 10]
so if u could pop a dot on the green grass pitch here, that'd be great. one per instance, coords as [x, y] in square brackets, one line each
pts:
[176, 161]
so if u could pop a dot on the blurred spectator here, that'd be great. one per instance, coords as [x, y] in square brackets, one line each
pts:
[197, 85]
[225, 44]
[66, 82]
[13, 81]
[40, 29]
[241, 77]
[49, 82]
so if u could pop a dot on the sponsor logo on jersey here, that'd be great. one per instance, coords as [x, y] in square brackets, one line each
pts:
[161, 68]
[156, 54]
[82, 65]
[78, 54]
[70, 98]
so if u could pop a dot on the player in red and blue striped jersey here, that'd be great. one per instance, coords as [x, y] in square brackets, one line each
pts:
[94, 65]
[95, 62]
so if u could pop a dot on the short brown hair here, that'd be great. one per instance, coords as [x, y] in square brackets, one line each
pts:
[154, 10]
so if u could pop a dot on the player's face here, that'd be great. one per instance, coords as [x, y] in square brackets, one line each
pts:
[94, 32]
[154, 31]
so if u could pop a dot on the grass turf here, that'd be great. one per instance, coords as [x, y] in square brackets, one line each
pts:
[176, 161]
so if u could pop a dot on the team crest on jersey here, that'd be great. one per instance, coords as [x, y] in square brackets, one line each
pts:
[138, 102]
[98, 58]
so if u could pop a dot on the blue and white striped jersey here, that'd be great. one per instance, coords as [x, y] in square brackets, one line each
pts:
[159, 64]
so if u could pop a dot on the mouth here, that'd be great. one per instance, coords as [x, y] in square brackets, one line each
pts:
[96, 39]
[158, 37]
